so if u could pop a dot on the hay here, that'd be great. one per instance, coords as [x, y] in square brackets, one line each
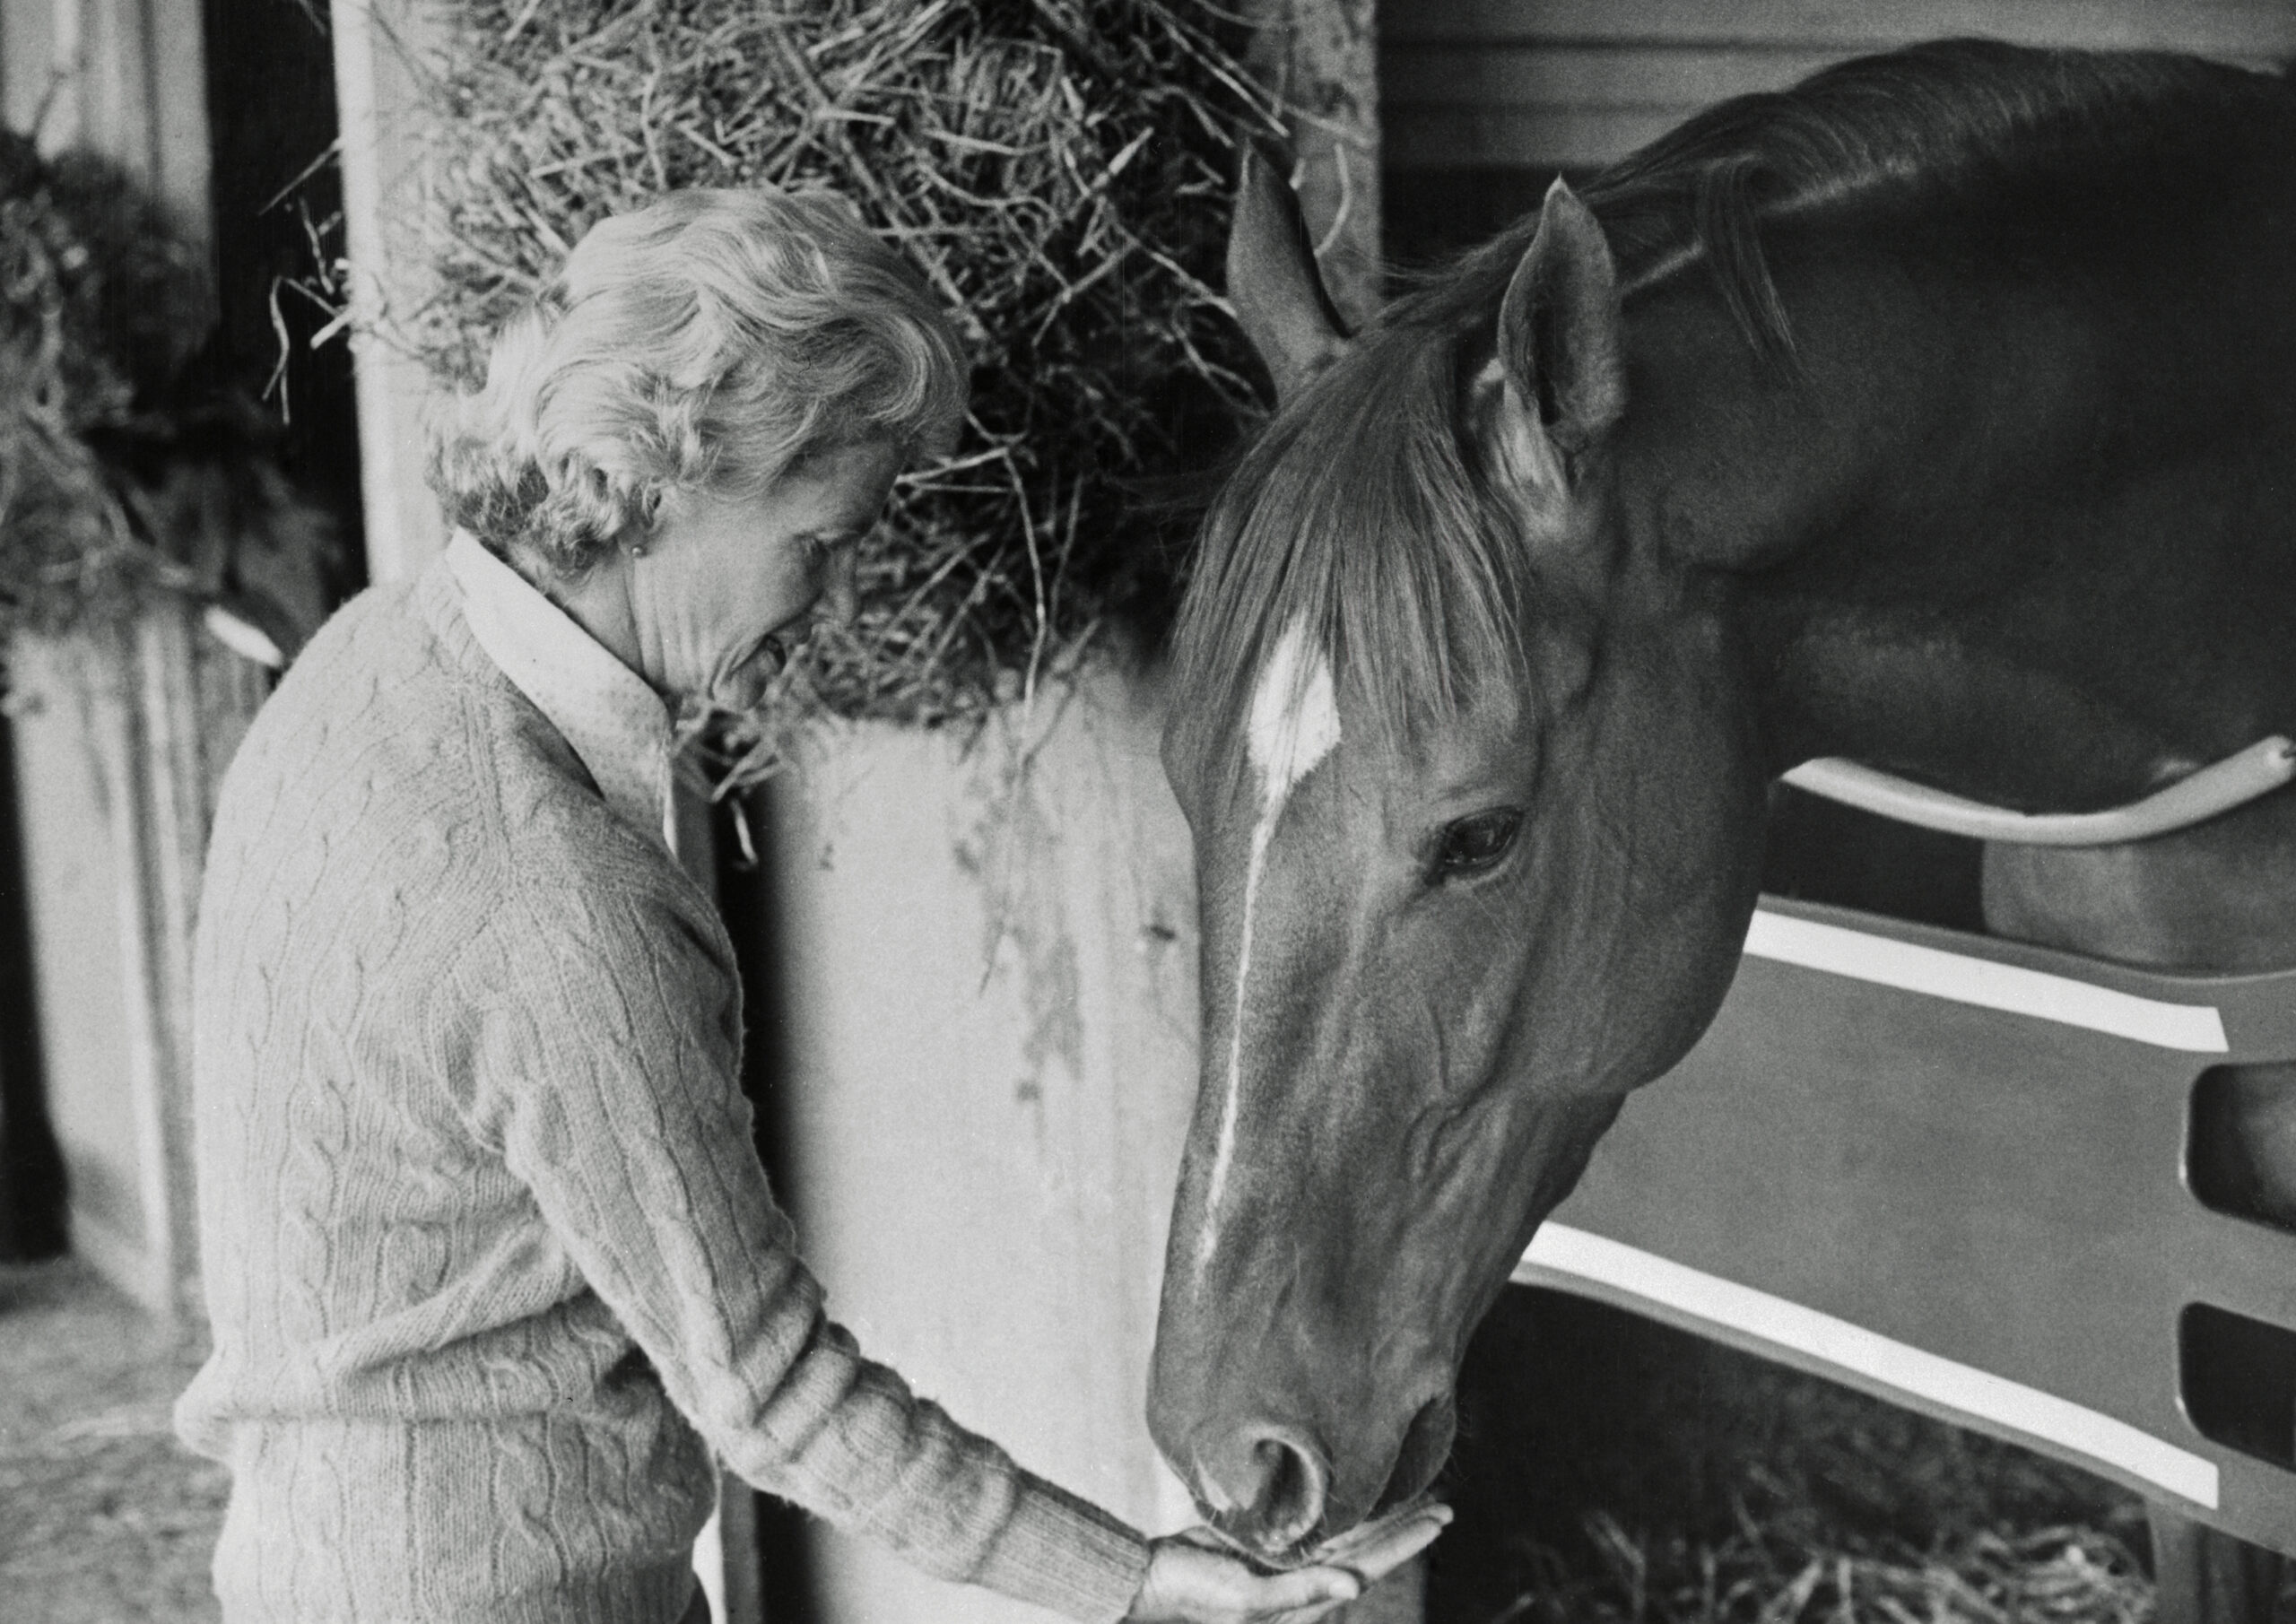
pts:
[1765, 1573]
[109, 1517]
[1058, 170]
[1854, 1513]
[1611, 1470]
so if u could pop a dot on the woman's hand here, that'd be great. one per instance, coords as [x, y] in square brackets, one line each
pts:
[1193, 1580]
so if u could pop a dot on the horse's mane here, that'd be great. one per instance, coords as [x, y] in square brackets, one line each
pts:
[1361, 508]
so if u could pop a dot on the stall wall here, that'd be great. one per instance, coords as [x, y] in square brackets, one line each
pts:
[1483, 101]
[987, 1045]
[80, 960]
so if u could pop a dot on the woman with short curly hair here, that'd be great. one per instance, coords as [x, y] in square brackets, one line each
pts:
[490, 1262]
[710, 339]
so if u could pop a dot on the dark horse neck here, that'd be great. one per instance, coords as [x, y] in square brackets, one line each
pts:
[2022, 524]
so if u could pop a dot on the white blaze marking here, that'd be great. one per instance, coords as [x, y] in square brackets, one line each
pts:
[1293, 725]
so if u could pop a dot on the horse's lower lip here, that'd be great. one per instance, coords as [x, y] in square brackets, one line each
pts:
[1297, 1554]
[1340, 1547]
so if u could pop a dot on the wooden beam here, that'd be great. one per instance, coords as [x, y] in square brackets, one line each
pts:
[1416, 78]
[2246, 29]
[1470, 85]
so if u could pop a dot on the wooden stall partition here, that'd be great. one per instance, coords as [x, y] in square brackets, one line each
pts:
[119, 735]
[986, 1061]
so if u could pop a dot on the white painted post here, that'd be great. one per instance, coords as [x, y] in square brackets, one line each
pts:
[380, 51]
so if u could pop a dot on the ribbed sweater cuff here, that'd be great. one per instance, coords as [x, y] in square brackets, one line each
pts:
[1072, 1556]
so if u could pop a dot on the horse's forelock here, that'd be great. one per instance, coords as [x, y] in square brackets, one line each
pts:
[1357, 517]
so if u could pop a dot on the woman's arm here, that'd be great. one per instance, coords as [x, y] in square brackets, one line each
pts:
[602, 1061]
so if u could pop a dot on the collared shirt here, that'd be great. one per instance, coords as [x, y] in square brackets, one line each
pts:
[620, 728]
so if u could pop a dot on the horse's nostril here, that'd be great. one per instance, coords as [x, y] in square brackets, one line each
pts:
[1289, 1479]
[1283, 1502]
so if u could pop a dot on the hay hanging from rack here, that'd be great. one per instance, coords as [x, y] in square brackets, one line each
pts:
[1059, 172]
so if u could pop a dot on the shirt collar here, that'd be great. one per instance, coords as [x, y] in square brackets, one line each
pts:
[617, 725]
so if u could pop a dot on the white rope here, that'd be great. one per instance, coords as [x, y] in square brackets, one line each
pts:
[2236, 780]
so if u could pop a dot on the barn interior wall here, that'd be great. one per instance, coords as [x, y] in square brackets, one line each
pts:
[1484, 101]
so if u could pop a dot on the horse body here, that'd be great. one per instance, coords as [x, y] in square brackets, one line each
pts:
[1936, 415]
[2037, 555]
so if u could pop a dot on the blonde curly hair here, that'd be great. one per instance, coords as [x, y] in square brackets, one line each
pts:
[710, 340]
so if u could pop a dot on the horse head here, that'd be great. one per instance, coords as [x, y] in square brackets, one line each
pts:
[1477, 821]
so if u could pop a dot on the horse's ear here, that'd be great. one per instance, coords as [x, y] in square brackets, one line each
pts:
[1559, 359]
[1272, 281]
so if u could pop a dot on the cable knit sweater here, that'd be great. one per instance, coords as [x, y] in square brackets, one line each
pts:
[488, 1253]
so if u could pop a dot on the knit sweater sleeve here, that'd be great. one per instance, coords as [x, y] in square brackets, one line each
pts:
[602, 1062]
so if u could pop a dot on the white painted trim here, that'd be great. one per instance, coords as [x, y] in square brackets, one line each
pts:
[2211, 792]
[120, 1258]
[122, 758]
[709, 1557]
[2196, 1028]
[1560, 1252]
[68, 114]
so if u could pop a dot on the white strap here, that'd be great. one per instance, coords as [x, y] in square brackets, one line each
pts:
[2236, 780]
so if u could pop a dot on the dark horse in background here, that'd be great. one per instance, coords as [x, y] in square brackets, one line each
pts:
[1940, 413]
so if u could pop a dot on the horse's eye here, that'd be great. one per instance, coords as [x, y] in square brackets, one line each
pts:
[1473, 844]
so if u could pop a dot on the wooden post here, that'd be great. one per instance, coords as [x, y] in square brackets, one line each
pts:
[380, 47]
[1321, 57]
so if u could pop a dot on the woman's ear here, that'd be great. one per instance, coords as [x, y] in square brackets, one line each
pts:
[1557, 383]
